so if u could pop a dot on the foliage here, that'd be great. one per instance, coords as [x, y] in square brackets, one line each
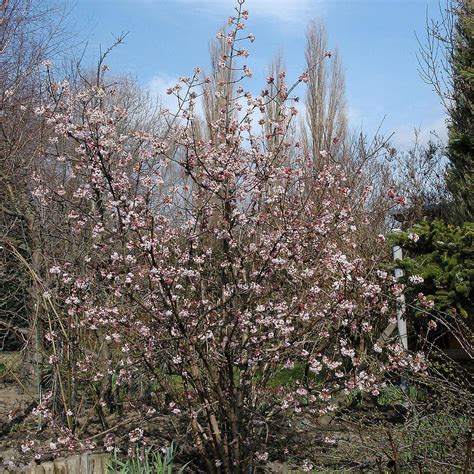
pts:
[392, 395]
[461, 124]
[446, 63]
[442, 255]
[433, 437]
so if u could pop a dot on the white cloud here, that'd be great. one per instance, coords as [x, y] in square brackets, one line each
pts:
[404, 137]
[157, 87]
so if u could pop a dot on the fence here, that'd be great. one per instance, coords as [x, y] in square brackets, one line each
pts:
[10, 361]
[86, 463]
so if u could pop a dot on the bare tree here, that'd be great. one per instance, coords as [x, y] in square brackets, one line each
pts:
[326, 118]
[436, 52]
[220, 89]
[328, 140]
[31, 34]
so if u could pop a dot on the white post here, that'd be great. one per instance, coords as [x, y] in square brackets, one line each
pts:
[401, 321]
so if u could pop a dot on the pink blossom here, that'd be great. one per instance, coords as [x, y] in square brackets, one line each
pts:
[247, 71]
[304, 77]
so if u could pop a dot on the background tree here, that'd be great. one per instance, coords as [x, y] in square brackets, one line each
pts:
[326, 116]
[461, 122]
[446, 63]
[439, 264]
[31, 35]
[440, 254]
[419, 175]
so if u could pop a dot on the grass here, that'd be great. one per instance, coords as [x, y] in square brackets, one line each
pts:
[435, 437]
[393, 395]
[146, 461]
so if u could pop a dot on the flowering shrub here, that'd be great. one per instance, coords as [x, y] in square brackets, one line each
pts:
[203, 264]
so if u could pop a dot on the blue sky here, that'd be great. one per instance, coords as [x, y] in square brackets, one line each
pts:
[376, 39]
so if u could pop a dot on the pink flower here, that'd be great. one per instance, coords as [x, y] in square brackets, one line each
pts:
[135, 435]
[261, 456]
[304, 77]
[416, 279]
[377, 348]
[432, 324]
[247, 71]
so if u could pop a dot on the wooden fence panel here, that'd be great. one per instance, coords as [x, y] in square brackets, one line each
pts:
[86, 463]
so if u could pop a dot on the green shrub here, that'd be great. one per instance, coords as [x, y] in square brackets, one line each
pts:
[442, 254]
